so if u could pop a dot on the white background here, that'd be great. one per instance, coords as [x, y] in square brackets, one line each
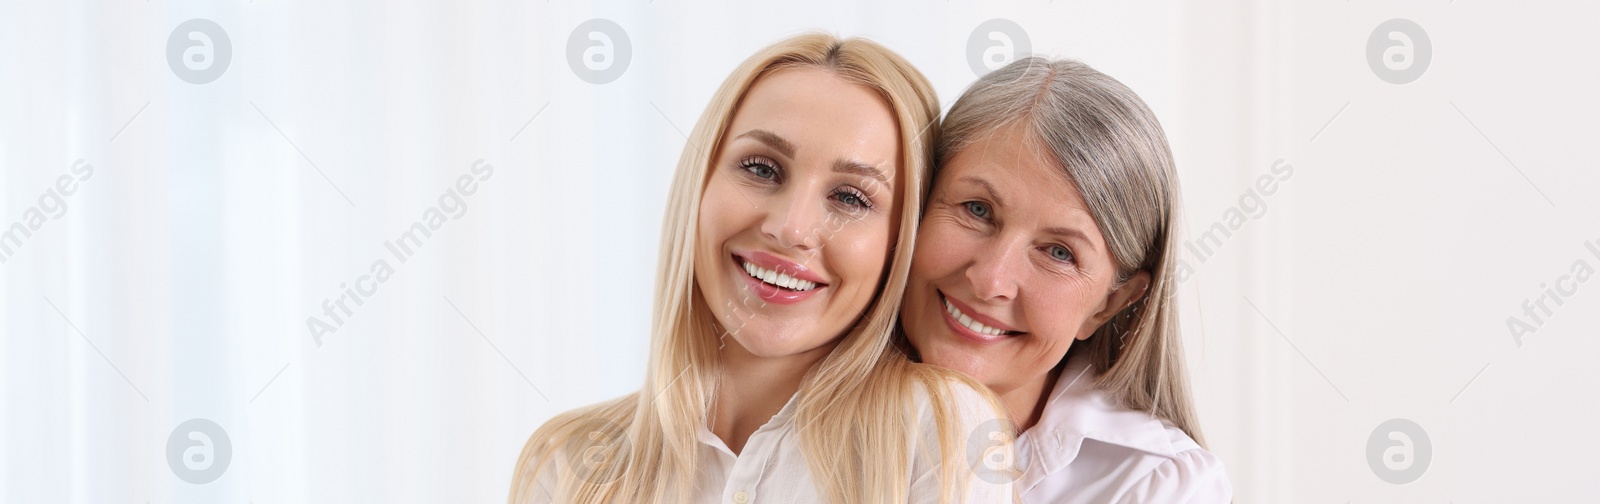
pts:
[219, 216]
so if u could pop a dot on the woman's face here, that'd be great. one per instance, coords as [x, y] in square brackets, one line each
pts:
[1010, 267]
[799, 213]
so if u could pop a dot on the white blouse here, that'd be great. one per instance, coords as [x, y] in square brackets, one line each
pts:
[772, 467]
[1085, 449]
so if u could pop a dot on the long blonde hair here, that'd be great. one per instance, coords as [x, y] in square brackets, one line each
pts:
[854, 406]
[1116, 154]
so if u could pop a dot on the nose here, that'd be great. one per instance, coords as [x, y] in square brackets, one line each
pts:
[996, 270]
[794, 221]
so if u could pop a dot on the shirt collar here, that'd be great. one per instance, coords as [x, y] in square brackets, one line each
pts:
[1077, 410]
[778, 421]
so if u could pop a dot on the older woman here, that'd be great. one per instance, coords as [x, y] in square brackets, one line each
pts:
[1045, 269]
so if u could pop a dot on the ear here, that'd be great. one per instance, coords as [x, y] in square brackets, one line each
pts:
[1129, 293]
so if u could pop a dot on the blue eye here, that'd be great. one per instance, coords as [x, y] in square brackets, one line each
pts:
[1060, 253]
[979, 209]
[761, 168]
[852, 198]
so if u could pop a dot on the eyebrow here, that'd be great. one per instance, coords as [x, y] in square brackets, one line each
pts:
[786, 148]
[1061, 231]
[993, 194]
[772, 140]
[860, 169]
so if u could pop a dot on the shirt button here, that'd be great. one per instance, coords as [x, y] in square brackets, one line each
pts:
[741, 497]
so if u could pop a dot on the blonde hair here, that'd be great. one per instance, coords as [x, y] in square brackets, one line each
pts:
[854, 406]
[1113, 149]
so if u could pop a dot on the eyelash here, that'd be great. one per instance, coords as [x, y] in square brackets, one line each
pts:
[752, 163]
[861, 198]
[1071, 257]
[748, 164]
[967, 206]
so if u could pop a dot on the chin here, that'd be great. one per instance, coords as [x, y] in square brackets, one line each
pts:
[771, 343]
[950, 355]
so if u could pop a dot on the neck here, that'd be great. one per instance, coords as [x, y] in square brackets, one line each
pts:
[754, 388]
[1025, 404]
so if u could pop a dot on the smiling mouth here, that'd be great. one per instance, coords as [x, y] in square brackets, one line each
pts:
[775, 279]
[971, 324]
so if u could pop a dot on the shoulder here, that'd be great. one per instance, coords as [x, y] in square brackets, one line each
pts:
[944, 392]
[542, 464]
[1190, 475]
[1107, 453]
[607, 418]
[963, 440]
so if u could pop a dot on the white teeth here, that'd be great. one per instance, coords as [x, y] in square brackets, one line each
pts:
[778, 279]
[967, 321]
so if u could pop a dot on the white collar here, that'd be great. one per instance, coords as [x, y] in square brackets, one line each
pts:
[778, 421]
[1077, 410]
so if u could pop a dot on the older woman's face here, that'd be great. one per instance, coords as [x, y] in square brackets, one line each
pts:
[1010, 267]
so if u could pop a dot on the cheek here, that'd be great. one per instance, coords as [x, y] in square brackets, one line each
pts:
[718, 221]
[939, 255]
[942, 247]
[1058, 312]
[718, 218]
[858, 253]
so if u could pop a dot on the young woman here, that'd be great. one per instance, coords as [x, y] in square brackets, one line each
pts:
[1045, 269]
[784, 254]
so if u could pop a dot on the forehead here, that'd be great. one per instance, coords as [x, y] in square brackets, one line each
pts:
[1017, 158]
[817, 107]
[1029, 180]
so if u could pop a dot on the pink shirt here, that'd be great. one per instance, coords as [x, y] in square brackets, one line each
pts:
[1085, 449]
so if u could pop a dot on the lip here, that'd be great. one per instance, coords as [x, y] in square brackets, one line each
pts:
[772, 293]
[781, 265]
[968, 334]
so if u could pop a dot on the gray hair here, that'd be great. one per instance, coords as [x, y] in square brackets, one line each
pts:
[1112, 149]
